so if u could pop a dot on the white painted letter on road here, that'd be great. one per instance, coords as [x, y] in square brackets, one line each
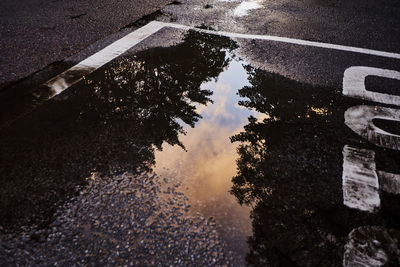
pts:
[354, 84]
[360, 181]
[359, 119]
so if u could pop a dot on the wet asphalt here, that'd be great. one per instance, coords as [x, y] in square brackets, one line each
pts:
[193, 149]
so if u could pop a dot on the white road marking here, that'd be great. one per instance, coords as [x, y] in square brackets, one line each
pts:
[73, 75]
[389, 182]
[369, 246]
[288, 40]
[244, 8]
[360, 120]
[354, 84]
[360, 181]
[359, 170]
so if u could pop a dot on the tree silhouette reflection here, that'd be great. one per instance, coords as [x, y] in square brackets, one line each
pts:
[156, 87]
[111, 123]
[289, 172]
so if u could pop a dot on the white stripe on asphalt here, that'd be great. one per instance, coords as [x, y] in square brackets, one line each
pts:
[289, 41]
[73, 75]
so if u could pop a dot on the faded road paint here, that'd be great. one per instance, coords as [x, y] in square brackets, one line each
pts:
[360, 177]
[59, 82]
[360, 120]
[244, 8]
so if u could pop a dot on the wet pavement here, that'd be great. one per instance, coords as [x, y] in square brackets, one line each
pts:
[194, 149]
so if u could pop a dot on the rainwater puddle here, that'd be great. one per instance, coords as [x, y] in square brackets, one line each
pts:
[197, 115]
[207, 166]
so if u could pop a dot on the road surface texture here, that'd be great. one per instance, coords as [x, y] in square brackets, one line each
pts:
[208, 133]
[37, 33]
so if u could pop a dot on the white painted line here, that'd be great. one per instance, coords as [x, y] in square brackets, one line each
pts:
[354, 84]
[90, 64]
[73, 75]
[289, 41]
[362, 181]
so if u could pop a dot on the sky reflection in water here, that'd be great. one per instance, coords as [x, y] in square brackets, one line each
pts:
[208, 165]
[287, 170]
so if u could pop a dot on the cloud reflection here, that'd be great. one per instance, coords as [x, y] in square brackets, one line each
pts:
[208, 165]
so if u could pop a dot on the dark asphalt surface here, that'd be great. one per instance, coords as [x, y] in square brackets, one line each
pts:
[197, 149]
[370, 24]
[37, 33]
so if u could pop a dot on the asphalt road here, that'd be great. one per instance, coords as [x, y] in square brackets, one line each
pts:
[35, 34]
[188, 144]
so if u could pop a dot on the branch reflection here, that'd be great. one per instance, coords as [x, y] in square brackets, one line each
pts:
[289, 170]
[111, 123]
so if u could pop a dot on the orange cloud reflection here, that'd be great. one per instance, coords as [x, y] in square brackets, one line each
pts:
[205, 170]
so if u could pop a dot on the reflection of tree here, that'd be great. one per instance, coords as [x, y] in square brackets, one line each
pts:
[289, 171]
[158, 86]
[109, 124]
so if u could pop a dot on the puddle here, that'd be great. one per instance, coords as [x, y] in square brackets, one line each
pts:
[258, 154]
[208, 165]
[290, 170]
[113, 122]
